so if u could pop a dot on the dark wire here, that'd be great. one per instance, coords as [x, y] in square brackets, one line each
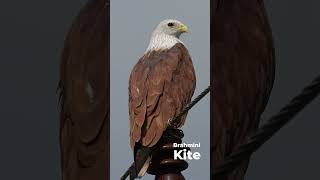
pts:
[176, 119]
[273, 125]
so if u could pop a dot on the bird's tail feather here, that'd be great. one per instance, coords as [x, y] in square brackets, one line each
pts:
[144, 167]
[142, 158]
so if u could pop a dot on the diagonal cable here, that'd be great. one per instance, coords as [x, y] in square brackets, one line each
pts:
[174, 121]
[266, 131]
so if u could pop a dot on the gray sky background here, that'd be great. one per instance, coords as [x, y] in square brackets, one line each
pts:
[294, 152]
[131, 25]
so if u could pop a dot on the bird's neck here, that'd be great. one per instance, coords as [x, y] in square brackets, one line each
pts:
[162, 42]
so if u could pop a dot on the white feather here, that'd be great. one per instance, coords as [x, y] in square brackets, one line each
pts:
[162, 42]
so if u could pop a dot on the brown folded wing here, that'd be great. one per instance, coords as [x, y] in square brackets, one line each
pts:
[161, 84]
[243, 68]
[84, 82]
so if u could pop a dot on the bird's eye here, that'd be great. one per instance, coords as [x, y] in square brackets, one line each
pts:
[170, 24]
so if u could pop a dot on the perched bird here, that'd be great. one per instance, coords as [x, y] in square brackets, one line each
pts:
[161, 84]
[243, 67]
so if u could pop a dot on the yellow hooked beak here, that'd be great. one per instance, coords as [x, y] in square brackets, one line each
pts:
[183, 28]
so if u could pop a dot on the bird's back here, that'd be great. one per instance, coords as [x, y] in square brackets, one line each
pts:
[160, 85]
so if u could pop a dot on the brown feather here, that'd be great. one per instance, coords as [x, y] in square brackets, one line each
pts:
[243, 73]
[161, 84]
[84, 81]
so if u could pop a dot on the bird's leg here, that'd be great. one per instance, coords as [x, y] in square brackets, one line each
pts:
[173, 133]
[173, 123]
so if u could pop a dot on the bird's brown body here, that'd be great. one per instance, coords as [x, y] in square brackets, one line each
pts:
[161, 84]
[243, 68]
[84, 82]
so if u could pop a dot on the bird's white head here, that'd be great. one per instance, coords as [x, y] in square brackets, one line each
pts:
[166, 34]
